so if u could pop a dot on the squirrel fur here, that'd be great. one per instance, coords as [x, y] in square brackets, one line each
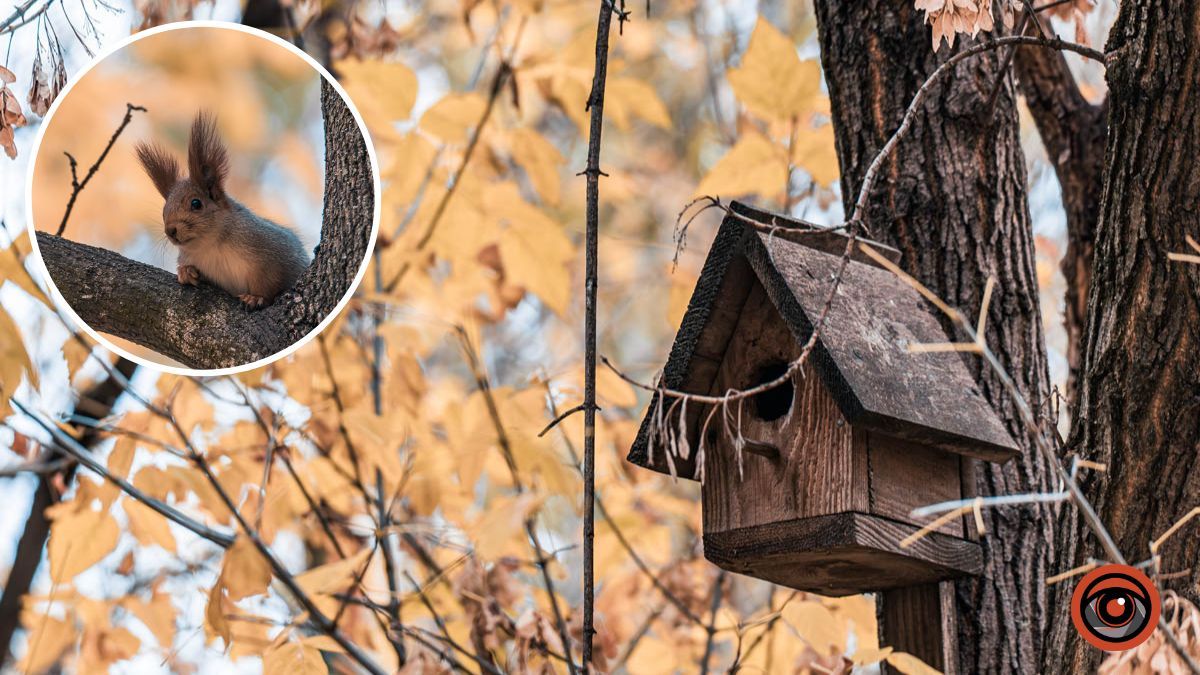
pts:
[220, 240]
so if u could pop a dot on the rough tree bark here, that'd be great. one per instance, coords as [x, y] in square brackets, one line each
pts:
[203, 327]
[953, 200]
[97, 402]
[1139, 399]
[1072, 130]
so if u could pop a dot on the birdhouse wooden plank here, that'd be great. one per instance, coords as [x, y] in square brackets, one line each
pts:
[810, 483]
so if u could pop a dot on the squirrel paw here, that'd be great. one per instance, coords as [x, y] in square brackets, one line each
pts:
[188, 275]
[252, 301]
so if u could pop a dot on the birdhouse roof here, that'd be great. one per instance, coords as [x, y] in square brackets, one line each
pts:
[862, 353]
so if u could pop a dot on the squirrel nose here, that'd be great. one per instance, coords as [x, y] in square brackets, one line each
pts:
[171, 232]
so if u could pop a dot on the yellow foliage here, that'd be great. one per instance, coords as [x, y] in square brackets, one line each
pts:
[772, 81]
[14, 362]
[293, 658]
[383, 91]
[48, 639]
[245, 571]
[148, 526]
[540, 160]
[754, 165]
[334, 577]
[79, 538]
[454, 116]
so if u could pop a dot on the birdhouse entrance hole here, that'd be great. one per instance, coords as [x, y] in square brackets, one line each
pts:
[775, 402]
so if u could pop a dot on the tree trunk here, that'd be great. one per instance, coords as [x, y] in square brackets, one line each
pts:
[953, 200]
[204, 327]
[1139, 401]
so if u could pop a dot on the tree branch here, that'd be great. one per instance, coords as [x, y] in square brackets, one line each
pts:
[595, 105]
[203, 327]
[78, 185]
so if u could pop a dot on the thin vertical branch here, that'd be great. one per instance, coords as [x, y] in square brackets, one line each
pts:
[595, 106]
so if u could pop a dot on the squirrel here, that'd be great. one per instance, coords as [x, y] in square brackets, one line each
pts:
[220, 240]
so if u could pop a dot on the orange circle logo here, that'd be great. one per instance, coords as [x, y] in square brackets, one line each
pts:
[1115, 607]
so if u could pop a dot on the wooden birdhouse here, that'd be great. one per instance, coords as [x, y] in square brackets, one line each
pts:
[810, 484]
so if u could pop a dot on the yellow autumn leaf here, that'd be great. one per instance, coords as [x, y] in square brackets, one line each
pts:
[216, 625]
[817, 626]
[75, 354]
[814, 151]
[157, 614]
[539, 457]
[540, 160]
[48, 639]
[772, 81]
[754, 165]
[404, 174]
[14, 361]
[111, 645]
[909, 664]
[452, 118]
[384, 91]
[334, 577]
[501, 531]
[79, 539]
[533, 247]
[628, 97]
[293, 658]
[12, 268]
[147, 526]
[121, 458]
[245, 571]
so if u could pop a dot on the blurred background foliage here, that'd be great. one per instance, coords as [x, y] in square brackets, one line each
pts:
[461, 345]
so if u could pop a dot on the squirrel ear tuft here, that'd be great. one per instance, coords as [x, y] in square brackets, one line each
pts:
[160, 166]
[208, 163]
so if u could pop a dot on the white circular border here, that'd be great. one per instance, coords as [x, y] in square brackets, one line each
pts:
[362, 269]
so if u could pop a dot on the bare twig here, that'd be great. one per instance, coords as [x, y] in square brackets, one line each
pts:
[558, 419]
[711, 628]
[77, 185]
[19, 13]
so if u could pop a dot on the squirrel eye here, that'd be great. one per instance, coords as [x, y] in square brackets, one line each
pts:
[197, 205]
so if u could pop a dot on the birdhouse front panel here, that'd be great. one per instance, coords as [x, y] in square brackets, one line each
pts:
[811, 483]
[782, 454]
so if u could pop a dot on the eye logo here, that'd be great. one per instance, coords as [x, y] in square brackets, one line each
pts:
[1115, 607]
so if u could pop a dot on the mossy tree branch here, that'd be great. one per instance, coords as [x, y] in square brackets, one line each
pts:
[202, 326]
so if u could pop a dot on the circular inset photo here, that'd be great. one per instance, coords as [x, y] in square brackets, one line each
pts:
[204, 198]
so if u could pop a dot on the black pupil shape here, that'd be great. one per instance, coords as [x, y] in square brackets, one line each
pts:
[196, 204]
